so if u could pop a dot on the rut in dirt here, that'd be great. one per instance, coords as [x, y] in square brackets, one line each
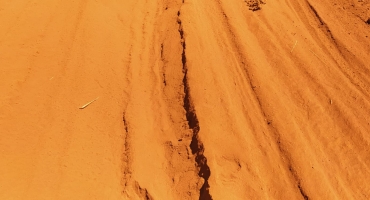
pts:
[196, 144]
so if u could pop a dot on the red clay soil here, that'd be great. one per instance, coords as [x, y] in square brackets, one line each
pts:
[184, 99]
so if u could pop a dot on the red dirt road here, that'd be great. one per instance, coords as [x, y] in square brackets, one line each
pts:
[208, 99]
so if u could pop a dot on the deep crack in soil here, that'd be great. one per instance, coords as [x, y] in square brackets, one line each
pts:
[196, 144]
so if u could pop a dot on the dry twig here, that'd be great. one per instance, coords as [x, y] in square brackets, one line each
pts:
[294, 46]
[87, 104]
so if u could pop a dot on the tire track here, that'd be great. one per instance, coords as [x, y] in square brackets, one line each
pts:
[324, 92]
[272, 129]
[72, 36]
[131, 188]
[357, 79]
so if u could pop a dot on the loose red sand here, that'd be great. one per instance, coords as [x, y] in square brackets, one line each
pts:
[194, 99]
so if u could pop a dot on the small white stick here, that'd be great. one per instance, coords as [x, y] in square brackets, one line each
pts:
[84, 106]
[317, 56]
[294, 46]
[51, 78]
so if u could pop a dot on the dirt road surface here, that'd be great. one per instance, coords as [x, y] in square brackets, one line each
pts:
[184, 99]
